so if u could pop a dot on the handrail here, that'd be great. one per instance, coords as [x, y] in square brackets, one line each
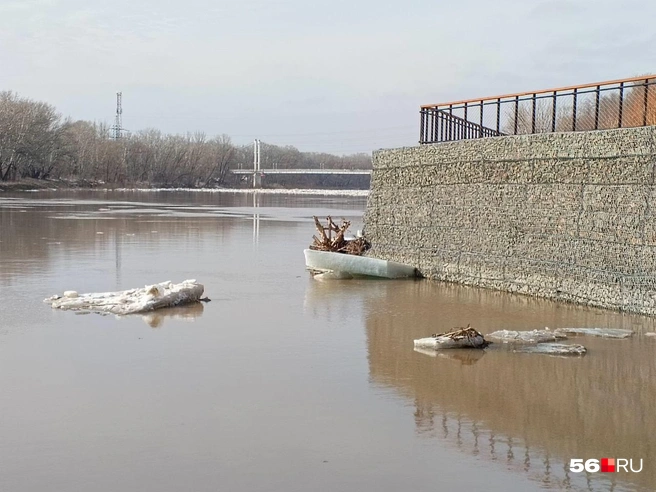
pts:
[460, 124]
[462, 120]
[619, 103]
[541, 91]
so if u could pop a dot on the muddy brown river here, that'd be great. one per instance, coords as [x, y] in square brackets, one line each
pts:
[283, 382]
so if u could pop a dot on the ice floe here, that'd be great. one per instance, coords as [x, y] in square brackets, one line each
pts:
[148, 298]
[459, 338]
[533, 341]
[597, 332]
[532, 336]
[262, 191]
[549, 348]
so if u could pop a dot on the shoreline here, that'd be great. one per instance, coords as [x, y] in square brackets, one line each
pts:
[31, 184]
[37, 185]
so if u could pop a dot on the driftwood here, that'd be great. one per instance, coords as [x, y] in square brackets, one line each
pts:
[331, 238]
[466, 336]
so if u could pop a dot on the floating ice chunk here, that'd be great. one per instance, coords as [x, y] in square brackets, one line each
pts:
[650, 334]
[149, 298]
[553, 349]
[157, 290]
[597, 332]
[70, 294]
[532, 336]
[234, 191]
[437, 343]
[328, 261]
[461, 338]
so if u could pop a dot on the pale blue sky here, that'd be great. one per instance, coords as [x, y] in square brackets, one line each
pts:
[337, 76]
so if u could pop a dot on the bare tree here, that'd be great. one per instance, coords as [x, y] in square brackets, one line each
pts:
[30, 138]
[221, 156]
[36, 143]
[524, 117]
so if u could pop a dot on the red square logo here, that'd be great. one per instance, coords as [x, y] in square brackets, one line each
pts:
[608, 465]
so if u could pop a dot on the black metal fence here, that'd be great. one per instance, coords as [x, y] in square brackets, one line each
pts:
[602, 105]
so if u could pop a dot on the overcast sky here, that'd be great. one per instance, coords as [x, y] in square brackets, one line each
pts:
[339, 76]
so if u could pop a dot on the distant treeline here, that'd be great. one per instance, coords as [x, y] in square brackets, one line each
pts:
[37, 142]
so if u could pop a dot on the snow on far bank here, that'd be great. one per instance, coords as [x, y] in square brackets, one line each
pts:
[263, 191]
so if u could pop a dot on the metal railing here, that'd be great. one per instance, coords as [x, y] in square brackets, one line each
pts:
[602, 105]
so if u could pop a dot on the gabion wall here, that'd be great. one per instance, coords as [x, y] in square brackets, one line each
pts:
[568, 216]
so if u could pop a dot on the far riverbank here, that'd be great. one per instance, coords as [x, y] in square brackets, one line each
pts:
[29, 184]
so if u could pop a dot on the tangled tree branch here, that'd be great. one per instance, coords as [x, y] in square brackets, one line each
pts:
[337, 242]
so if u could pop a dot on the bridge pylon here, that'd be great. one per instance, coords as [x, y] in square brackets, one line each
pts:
[257, 177]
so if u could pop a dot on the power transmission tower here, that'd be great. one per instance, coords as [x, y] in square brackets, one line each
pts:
[118, 123]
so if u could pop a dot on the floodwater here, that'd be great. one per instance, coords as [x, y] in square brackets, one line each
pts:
[284, 382]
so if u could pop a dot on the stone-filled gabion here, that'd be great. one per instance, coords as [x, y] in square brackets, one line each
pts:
[567, 216]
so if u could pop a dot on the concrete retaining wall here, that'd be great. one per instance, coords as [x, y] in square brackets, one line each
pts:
[569, 216]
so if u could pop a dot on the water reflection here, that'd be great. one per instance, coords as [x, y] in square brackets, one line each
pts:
[338, 381]
[530, 412]
[156, 319]
[256, 219]
[466, 357]
[37, 229]
[533, 413]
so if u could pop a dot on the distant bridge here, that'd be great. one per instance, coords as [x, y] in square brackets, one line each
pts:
[258, 173]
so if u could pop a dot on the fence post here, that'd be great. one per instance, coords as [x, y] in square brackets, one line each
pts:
[421, 126]
[574, 110]
[597, 108]
[498, 116]
[553, 114]
[533, 116]
[619, 116]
